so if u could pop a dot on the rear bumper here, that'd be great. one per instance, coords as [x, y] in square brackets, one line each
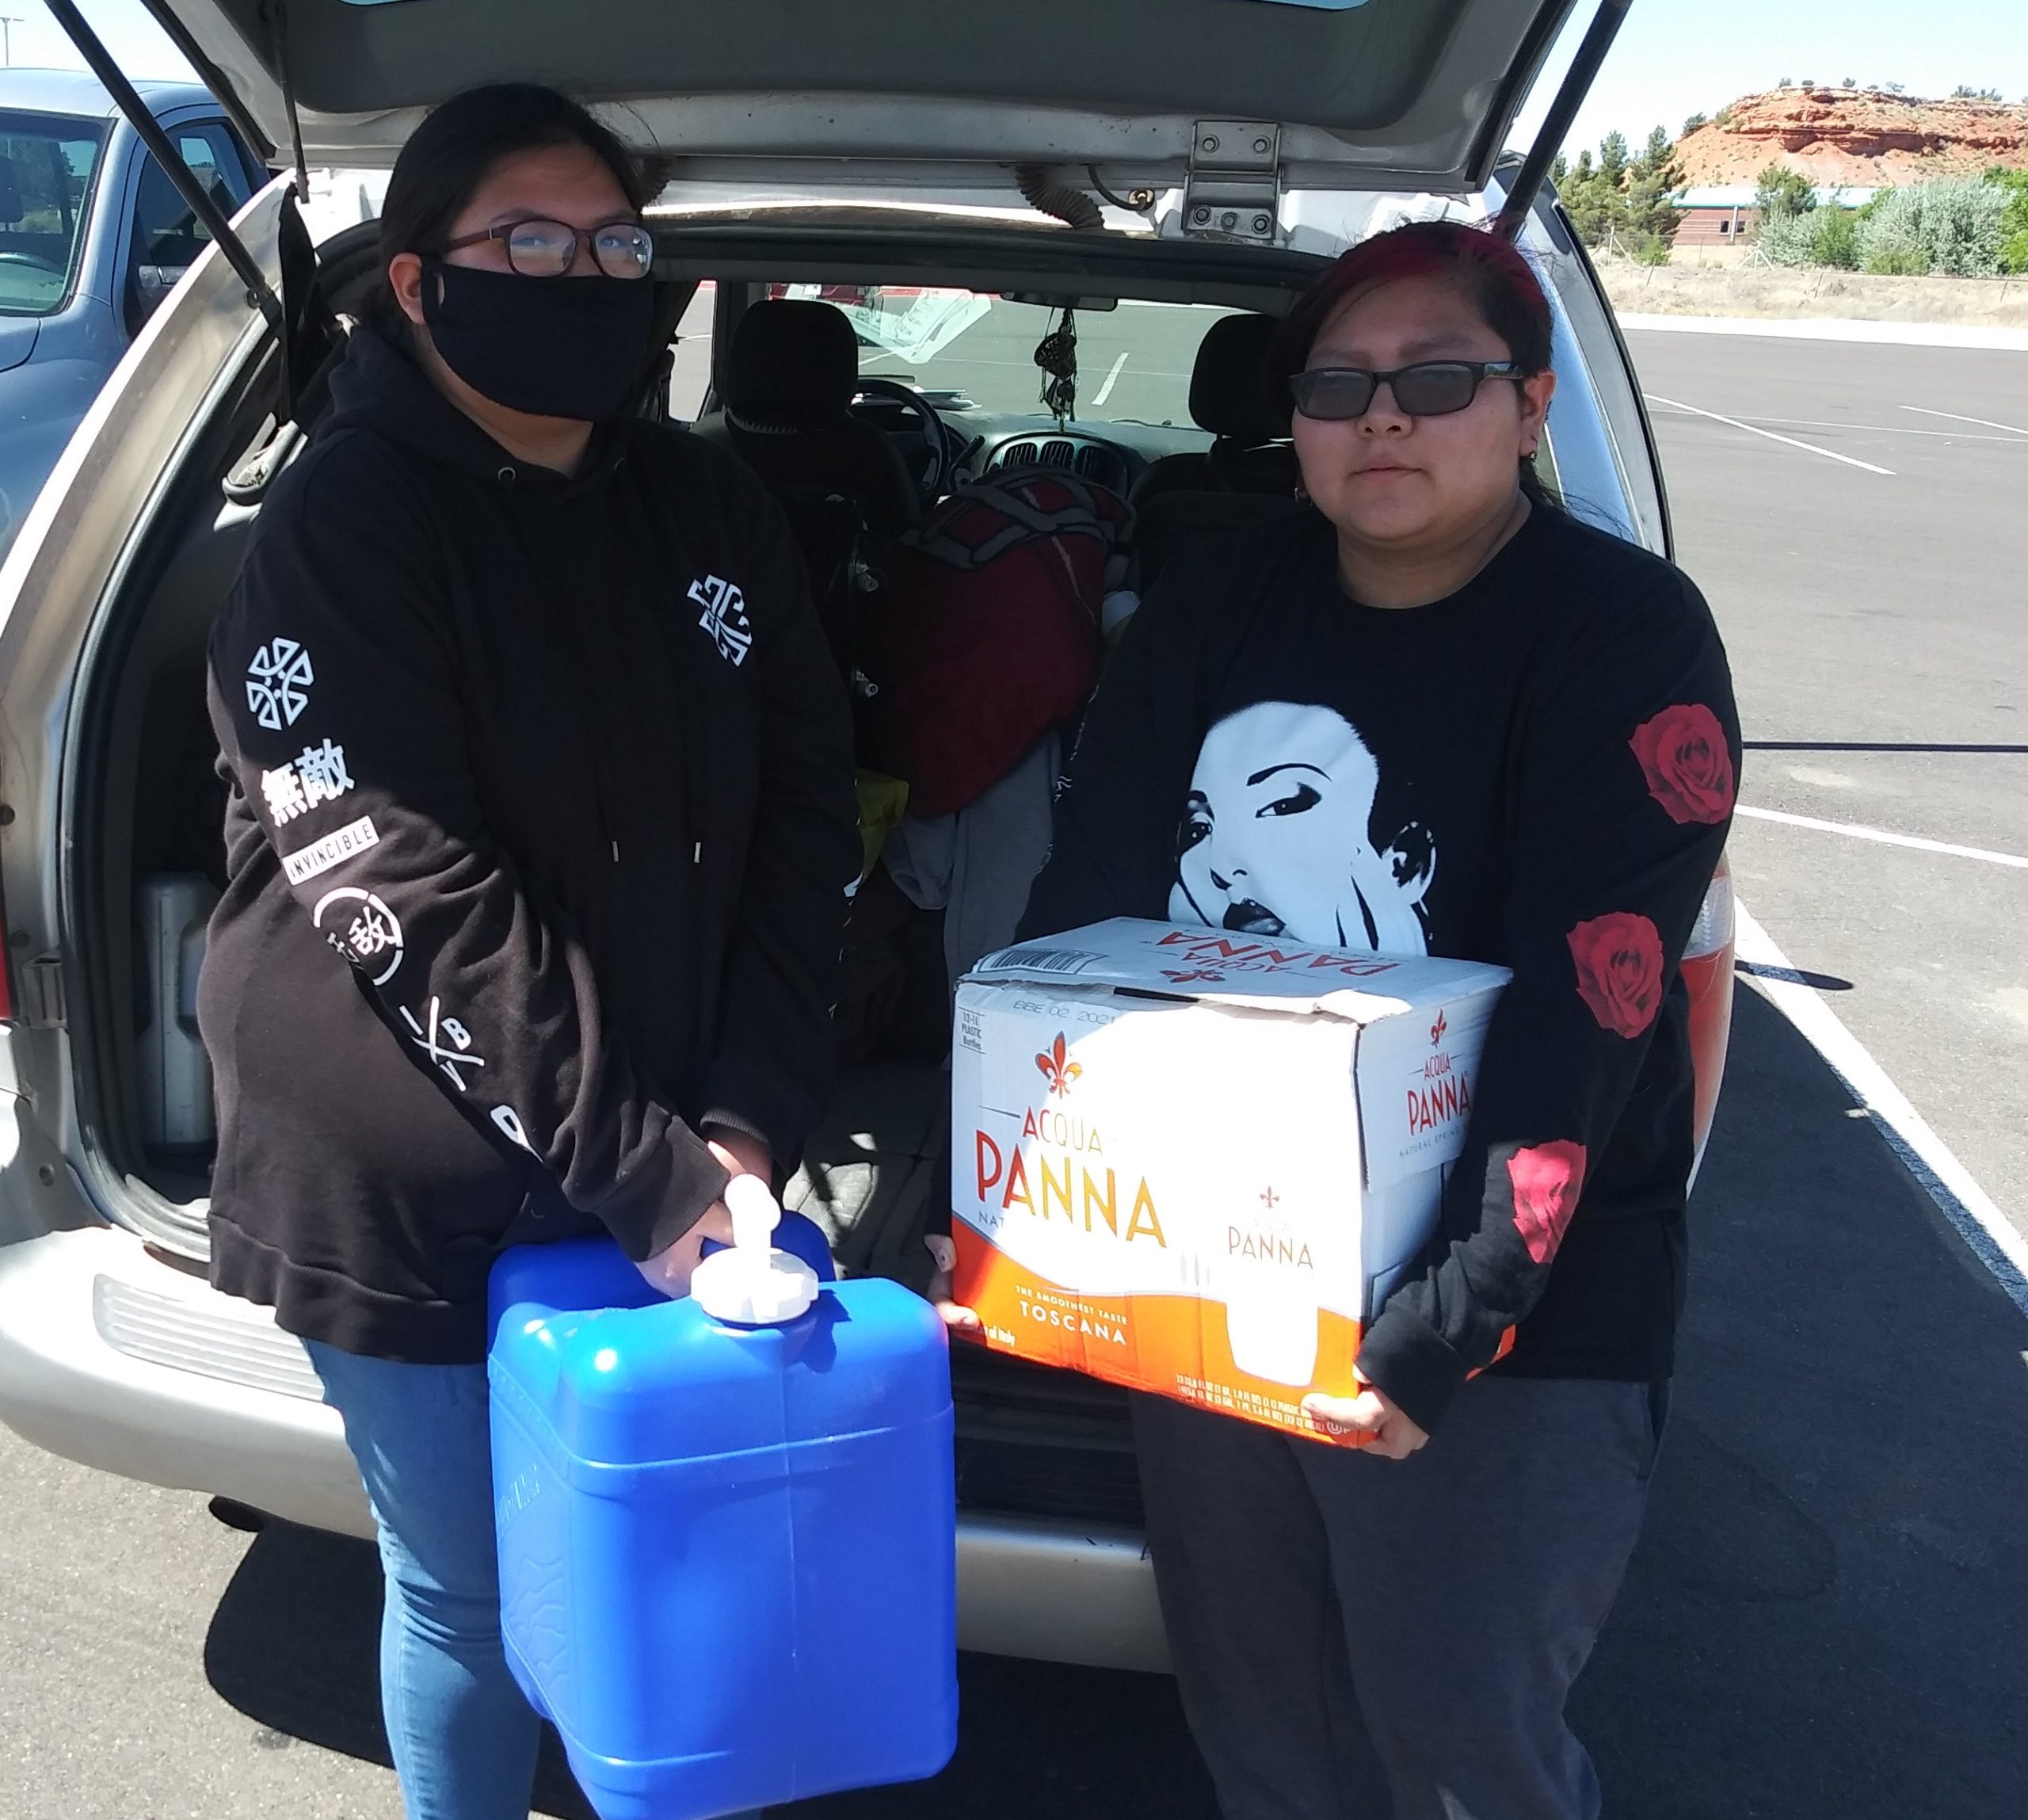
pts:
[111, 1357]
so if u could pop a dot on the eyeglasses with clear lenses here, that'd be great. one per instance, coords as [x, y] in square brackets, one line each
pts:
[540, 248]
[1430, 388]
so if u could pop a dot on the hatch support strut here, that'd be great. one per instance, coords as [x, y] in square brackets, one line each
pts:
[259, 293]
[1556, 123]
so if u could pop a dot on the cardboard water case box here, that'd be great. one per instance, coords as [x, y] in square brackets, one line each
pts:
[1195, 1163]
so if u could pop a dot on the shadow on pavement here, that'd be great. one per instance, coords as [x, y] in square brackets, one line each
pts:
[295, 1644]
[1825, 1618]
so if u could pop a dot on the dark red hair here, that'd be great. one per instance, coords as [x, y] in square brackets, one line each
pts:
[1498, 282]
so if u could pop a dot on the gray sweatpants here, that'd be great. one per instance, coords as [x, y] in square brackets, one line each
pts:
[1356, 1637]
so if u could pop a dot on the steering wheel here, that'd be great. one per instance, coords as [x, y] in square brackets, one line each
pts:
[941, 459]
[39, 264]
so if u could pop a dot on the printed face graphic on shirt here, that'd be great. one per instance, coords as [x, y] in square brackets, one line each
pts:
[1277, 837]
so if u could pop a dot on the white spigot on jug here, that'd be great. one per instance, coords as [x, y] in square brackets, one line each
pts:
[750, 1282]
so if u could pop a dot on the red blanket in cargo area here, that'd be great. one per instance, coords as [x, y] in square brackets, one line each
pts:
[985, 632]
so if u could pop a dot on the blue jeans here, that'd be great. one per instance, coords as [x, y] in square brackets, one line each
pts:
[463, 1738]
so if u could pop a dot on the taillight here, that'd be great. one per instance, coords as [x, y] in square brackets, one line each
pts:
[1707, 972]
[1714, 929]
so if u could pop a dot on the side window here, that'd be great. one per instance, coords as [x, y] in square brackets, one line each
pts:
[168, 236]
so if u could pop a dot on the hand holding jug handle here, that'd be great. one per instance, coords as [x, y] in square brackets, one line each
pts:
[669, 1270]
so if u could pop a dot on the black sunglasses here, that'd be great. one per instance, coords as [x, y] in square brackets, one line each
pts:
[1430, 388]
[540, 248]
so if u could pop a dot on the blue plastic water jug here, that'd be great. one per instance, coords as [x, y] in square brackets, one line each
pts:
[726, 1525]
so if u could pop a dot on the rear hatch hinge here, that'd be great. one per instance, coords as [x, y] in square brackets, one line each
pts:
[1234, 190]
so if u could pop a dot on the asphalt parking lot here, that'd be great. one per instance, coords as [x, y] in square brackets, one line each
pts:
[1823, 1617]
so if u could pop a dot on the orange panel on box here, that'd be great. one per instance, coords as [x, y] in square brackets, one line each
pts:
[1174, 1346]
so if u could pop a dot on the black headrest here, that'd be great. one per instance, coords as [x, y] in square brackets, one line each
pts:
[1229, 393]
[795, 365]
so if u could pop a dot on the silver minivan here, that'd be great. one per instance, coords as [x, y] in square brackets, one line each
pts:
[958, 180]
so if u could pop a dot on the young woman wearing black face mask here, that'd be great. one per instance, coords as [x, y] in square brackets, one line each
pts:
[540, 821]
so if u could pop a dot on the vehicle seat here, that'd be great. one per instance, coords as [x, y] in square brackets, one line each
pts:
[787, 393]
[1228, 396]
[1249, 474]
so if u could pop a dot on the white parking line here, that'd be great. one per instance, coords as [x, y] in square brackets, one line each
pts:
[1892, 430]
[1112, 378]
[1857, 833]
[1754, 430]
[1955, 417]
[1992, 1240]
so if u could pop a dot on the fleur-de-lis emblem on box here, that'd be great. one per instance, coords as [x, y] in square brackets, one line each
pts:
[1437, 1029]
[1058, 1068]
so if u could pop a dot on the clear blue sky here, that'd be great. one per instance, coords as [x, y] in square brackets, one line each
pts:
[1674, 58]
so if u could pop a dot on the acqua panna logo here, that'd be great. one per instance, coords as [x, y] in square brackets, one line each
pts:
[1057, 1069]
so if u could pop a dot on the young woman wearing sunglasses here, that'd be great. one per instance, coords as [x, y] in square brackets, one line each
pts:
[1434, 714]
[539, 823]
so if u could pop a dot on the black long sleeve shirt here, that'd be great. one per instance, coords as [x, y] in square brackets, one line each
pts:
[1537, 770]
[541, 820]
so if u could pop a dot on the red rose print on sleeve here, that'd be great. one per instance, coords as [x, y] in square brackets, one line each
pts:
[1547, 1180]
[1689, 769]
[1619, 970]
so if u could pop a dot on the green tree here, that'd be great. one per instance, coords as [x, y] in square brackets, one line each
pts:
[1835, 237]
[1648, 197]
[1591, 201]
[1695, 120]
[2014, 217]
[1782, 193]
[1613, 158]
[1623, 197]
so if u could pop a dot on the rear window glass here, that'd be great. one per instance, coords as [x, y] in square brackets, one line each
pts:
[48, 162]
[974, 350]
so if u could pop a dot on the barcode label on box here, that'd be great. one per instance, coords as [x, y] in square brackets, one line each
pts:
[1037, 961]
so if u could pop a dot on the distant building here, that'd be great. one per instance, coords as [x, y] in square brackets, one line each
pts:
[1722, 214]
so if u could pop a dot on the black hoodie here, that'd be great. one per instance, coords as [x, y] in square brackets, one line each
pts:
[540, 823]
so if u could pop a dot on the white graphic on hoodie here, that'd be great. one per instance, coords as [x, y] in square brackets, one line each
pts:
[724, 617]
[278, 683]
[1277, 838]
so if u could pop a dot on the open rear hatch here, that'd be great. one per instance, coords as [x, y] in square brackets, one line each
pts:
[1233, 101]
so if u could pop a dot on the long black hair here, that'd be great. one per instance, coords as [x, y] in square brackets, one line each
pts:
[463, 139]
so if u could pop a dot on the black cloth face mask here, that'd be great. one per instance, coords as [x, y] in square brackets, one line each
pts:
[552, 347]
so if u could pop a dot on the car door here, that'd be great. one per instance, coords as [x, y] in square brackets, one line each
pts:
[165, 236]
[1229, 102]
